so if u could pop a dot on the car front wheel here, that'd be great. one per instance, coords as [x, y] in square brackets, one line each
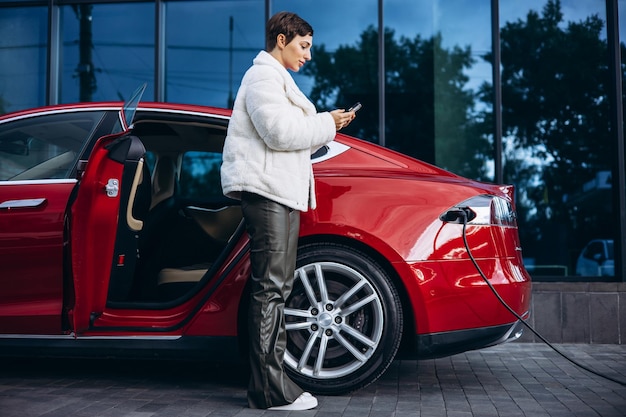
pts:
[343, 320]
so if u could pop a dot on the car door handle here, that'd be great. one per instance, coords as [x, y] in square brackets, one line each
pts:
[22, 204]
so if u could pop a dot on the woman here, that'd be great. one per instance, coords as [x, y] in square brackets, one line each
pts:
[273, 131]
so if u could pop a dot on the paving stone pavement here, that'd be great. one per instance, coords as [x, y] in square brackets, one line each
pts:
[515, 379]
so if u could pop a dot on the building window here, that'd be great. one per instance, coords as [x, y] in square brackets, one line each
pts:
[556, 129]
[437, 65]
[209, 46]
[344, 65]
[558, 146]
[23, 49]
[106, 51]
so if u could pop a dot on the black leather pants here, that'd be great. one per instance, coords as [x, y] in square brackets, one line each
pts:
[273, 230]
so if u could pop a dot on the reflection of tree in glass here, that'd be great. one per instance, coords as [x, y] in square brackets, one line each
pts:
[555, 119]
[555, 115]
[200, 176]
[425, 96]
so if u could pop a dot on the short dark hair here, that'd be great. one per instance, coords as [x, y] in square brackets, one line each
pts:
[289, 24]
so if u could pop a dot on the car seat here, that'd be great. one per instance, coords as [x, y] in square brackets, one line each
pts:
[159, 227]
[164, 181]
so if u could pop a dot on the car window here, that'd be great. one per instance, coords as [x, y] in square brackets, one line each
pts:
[594, 249]
[200, 175]
[150, 160]
[44, 147]
[609, 249]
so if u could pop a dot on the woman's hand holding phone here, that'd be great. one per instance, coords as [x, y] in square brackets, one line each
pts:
[344, 117]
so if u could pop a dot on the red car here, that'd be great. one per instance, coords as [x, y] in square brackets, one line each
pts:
[116, 241]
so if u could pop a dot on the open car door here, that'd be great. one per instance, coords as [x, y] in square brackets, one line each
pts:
[107, 209]
[38, 157]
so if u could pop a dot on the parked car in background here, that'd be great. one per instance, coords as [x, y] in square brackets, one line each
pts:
[596, 259]
[116, 241]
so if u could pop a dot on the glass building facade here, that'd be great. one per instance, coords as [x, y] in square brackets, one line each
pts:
[542, 110]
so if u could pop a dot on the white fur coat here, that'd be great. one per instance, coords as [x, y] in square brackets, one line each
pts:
[273, 131]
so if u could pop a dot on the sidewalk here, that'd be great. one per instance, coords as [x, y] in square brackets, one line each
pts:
[517, 379]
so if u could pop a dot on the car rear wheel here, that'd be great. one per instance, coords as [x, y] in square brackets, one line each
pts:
[343, 320]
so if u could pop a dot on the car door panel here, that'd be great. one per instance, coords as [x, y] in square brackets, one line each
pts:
[93, 230]
[32, 216]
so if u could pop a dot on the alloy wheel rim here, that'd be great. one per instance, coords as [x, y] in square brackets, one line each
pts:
[334, 321]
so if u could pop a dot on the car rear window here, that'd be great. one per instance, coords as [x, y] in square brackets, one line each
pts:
[200, 175]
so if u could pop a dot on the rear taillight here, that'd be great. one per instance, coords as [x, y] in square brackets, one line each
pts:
[482, 210]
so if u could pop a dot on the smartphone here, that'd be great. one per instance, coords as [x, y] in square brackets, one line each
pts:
[355, 107]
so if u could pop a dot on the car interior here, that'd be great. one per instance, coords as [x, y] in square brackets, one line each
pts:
[181, 223]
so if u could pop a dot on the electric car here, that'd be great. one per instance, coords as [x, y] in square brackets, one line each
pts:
[116, 241]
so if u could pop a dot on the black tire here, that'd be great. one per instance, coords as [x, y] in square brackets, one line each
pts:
[354, 318]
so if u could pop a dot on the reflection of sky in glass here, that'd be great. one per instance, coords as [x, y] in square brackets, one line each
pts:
[124, 44]
[621, 10]
[23, 44]
[461, 23]
[199, 48]
[122, 53]
[573, 10]
[334, 23]
[468, 22]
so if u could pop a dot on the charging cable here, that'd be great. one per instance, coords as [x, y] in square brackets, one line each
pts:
[463, 213]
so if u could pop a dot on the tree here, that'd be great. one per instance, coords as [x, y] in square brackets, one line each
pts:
[555, 83]
[425, 96]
